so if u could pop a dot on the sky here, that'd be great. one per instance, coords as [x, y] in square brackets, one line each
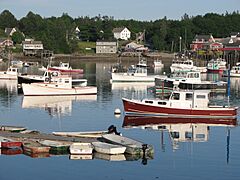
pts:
[142, 10]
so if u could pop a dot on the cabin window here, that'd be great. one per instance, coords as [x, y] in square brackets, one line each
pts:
[201, 96]
[162, 103]
[149, 102]
[189, 96]
[188, 135]
[175, 135]
[66, 81]
[200, 136]
[176, 96]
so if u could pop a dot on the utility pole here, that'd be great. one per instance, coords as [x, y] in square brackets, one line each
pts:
[180, 44]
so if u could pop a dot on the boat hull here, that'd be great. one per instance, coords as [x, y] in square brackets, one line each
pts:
[39, 90]
[106, 148]
[132, 146]
[66, 71]
[137, 107]
[125, 77]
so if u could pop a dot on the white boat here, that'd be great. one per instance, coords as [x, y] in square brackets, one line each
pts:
[234, 72]
[107, 148]
[11, 73]
[134, 74]
[87, 134]
[58, 86]
[109, 157]
[216, 65]
[132, 146]
[158, 63]
[185, 65]
[81, 148]
[48, 75]
[190, 80]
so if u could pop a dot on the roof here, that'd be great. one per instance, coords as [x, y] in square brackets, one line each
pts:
[205, 37]
[235, 34]
[118, 30]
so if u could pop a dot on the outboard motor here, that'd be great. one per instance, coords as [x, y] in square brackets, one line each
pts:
[113, 130]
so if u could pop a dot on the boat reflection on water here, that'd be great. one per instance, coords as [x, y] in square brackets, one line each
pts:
[81, 157]
[179, 129]
[9, 85]
[55, 105]
[11, 151]
[132, 89]
[108, 157]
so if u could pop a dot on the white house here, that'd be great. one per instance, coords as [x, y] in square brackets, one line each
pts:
[103, 47]
[121, 33]
[31, 47]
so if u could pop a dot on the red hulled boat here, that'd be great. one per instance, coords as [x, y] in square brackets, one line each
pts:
[9, 143]
[180, 104]
[65, 69]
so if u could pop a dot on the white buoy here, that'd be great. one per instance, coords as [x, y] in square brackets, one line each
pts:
[117, 111]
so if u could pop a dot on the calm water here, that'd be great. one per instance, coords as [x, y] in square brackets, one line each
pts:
[201, 151]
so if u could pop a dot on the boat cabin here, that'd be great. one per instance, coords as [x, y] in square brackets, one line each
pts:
[64, 65]
[178, 62]
[59, 82]
[12, 71]
[189, 99]
[139, 71]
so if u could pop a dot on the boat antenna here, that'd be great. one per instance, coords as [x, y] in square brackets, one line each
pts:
[228, 84]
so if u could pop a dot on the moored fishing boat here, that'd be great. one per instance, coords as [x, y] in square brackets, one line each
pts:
[185, 65]
[107, 148]
[10, 73]
[187, 80]
[65, 68]
[132, 146]
[59, 86]
[185, 103]
[216, 65]
[234, 72]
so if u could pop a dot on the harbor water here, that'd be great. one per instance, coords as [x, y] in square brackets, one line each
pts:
[184, 149]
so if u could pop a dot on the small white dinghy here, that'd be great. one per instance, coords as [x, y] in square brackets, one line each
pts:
[132, 146]
[107, 148]
[81, 148]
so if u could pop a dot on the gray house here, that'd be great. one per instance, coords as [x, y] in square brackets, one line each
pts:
[106, 47]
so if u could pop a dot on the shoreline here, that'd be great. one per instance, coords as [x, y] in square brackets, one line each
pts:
[106, 57]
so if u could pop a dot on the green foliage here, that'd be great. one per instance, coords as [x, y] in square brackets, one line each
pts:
[58, 33]
[17, 37]
[7, 20]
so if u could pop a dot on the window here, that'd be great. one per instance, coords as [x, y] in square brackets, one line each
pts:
[189, 96]
[188, 135]
[162, 103]
[200, 136]
[176, 96]
[175, 135]
[149, 102]
[201, 96]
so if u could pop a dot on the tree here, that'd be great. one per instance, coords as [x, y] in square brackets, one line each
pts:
[18, 37]
[7, 20]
